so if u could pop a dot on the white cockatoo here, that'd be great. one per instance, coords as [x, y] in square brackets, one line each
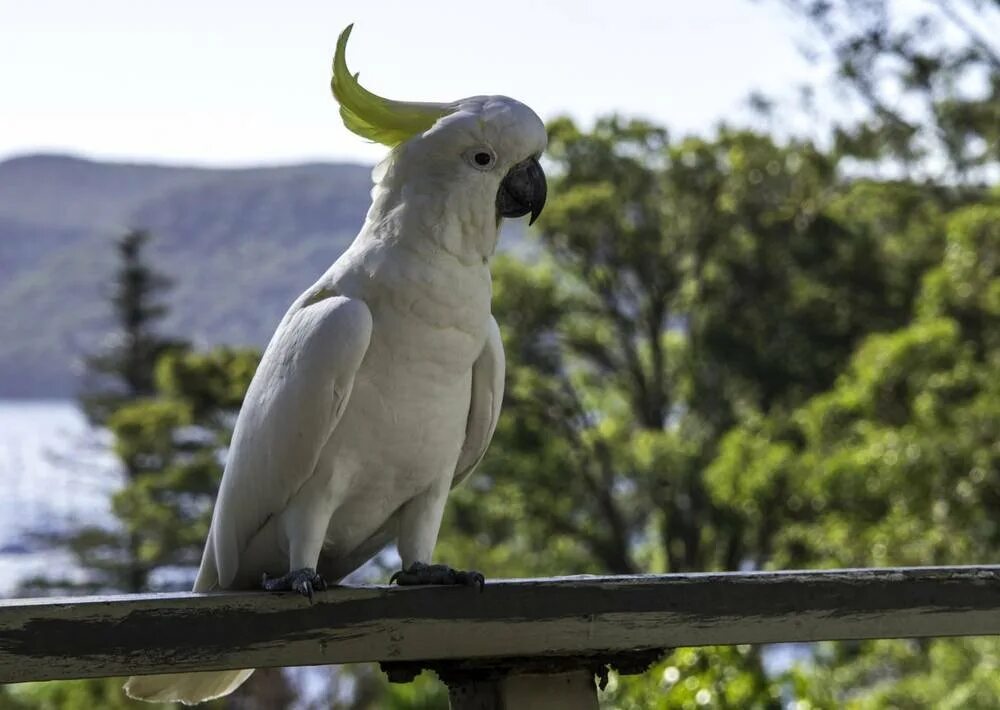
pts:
[381, 388]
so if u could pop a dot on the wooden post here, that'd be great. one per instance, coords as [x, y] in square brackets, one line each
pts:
[514, 684]
[572, 690]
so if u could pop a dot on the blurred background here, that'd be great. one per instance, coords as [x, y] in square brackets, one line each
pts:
[757, 326]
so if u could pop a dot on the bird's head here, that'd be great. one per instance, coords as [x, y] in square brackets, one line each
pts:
[482, 149]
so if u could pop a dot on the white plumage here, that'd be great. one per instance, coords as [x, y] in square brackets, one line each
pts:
[381, 387]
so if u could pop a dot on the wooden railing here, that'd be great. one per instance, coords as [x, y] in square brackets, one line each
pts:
[518, 643]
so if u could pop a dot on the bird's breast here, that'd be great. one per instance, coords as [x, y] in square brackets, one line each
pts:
[430, 316]
[402, 430]
[406, 417]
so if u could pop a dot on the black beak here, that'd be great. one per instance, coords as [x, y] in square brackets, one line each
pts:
[522, 191]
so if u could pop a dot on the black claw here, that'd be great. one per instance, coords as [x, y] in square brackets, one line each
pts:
[472, 579]
[420, 573]
[305, 581]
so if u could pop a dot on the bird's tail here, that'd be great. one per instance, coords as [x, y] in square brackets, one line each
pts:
[190, 688]
[186, 688]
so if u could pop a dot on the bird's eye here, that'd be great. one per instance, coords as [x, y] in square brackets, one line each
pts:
[481, 158]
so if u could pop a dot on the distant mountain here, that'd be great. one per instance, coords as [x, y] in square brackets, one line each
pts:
[239, 244]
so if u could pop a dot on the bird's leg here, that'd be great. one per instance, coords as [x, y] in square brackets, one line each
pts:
[305, 581]
[421, 573]
[420, 520]
[304, 526]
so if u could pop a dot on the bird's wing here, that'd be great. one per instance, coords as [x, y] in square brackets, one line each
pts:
[484, 407]
[293, 404]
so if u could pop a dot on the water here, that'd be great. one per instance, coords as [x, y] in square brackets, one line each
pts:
[56, 475]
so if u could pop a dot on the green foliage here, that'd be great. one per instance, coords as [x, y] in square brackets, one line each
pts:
[103, 693]
[951, 674]
[897, 464]
[965, 285]
[726, 677]
[175, 442]
[925, 80]
[426, 692]
[688, 286]
[123, 370]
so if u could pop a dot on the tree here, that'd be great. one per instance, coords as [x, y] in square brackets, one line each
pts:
[691, 292]
[122, 372]
[926, 79]
[620, 379]
[897, 464]
[689, 284]
[175, 442]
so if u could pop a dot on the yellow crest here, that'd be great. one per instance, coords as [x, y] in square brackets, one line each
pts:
[370, 116]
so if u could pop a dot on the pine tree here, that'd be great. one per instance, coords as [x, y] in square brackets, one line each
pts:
[123, 370]
[119, 373]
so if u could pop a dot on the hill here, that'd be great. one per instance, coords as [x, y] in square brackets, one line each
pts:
[239, 244]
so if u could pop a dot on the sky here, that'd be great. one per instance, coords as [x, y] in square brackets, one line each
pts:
[227, 82]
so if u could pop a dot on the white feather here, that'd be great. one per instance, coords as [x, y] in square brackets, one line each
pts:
[484, 409]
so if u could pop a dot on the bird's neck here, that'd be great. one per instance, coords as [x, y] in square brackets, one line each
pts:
[432, 216]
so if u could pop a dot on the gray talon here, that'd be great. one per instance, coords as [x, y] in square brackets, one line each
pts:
[420, 573]
[305, 581]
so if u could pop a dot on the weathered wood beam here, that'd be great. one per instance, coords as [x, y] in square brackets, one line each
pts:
[592, 617]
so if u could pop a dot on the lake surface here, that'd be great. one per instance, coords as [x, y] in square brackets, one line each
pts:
[56, 475]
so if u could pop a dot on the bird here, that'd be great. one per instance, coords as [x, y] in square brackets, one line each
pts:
[381, 387]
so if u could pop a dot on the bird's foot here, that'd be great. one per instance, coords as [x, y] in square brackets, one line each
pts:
[305, 581]
[420, 573]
